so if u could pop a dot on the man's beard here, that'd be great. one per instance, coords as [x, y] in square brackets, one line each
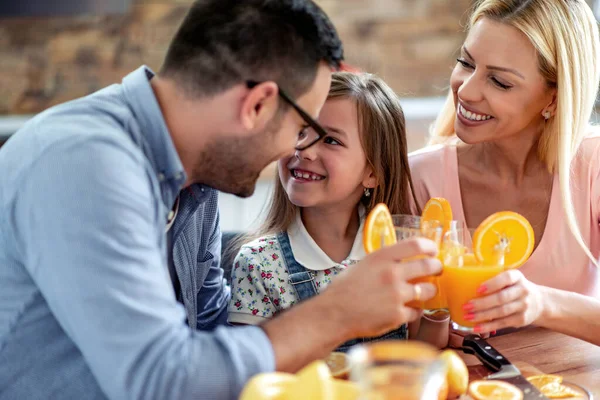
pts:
[233, 165]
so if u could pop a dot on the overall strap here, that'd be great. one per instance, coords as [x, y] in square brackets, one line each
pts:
[300, 278]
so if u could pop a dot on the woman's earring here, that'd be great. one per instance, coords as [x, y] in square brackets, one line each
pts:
[367, 192]
[547, 114]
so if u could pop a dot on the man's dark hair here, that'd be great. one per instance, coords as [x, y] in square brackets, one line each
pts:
[222, 43]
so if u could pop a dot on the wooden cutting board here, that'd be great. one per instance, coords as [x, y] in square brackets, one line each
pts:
[480, 372]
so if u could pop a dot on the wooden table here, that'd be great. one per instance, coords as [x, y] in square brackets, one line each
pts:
[550, 352]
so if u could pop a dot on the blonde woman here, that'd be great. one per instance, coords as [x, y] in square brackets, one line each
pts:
[514, 134]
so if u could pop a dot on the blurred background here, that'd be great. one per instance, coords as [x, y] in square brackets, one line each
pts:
[52, 51]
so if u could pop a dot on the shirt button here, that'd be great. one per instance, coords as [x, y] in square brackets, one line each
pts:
[161, 177]
[179, 176]
[202, 190]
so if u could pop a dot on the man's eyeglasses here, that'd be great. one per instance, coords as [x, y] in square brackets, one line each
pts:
[307, 137]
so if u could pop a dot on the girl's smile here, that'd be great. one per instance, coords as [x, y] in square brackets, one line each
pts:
[303, 175]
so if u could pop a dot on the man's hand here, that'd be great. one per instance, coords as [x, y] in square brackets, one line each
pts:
[371, 296]
[368, 299]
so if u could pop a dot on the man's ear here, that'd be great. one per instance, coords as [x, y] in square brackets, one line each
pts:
[259, 106]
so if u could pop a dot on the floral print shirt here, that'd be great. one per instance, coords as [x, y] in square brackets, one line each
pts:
[260, 284]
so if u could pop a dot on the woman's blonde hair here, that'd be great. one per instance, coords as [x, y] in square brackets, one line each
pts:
[565, 36]
[381, 126]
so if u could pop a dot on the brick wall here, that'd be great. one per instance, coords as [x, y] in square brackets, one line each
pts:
[45, 61]
[410, 43]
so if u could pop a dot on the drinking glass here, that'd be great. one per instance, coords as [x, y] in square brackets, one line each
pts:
[463, 274]
[411, 226]
[397, 370]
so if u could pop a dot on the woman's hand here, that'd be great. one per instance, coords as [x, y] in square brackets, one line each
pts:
[510, 301]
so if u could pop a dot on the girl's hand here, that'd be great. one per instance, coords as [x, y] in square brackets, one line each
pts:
[510, 301]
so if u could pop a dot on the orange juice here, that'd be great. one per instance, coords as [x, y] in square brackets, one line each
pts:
[460, 286]
[436, 302]
[431, 230]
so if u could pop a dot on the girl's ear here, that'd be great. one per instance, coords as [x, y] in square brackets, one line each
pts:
[370, 180]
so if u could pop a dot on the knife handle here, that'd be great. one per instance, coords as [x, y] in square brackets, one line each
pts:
[492, 358]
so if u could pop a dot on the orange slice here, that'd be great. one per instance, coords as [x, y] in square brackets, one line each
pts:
[379, 228]
[557, 390]
[551, 386]
[494, 390]
[540, 380]
[339, 364]
[437, 209]
[506, 233]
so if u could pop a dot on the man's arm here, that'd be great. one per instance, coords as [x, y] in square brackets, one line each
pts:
[213, 297]
[367, 300]
[89, 226]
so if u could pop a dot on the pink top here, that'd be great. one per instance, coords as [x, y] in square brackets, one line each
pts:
[558, 261]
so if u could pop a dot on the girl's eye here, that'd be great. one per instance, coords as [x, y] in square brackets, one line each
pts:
[330, 140]
[464, 64]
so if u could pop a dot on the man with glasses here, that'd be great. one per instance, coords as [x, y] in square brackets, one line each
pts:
[109, 201]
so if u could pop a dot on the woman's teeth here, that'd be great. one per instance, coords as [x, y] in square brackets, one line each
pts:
[306, 175]
[472, 116]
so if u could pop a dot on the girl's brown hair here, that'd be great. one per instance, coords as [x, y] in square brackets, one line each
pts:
[383, 137]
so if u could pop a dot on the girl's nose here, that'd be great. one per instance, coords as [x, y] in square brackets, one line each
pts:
[307, 154]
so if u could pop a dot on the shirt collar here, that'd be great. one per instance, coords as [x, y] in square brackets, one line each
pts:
[160, 149]
[311, 256]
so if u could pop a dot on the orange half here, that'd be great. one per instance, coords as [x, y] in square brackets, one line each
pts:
[379, 229]
[437, 209]
[507, 233]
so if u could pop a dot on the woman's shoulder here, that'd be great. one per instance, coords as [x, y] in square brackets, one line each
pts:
[591, 141]
[589, 150]
[432, 165]
[431, 157]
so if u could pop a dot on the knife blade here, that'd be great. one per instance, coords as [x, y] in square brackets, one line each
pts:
[503, 369]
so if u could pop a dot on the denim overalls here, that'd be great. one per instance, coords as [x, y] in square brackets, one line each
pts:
[303, 282]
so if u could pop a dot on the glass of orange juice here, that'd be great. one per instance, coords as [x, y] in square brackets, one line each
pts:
[410, 226]
[397, 370]
[463, 274]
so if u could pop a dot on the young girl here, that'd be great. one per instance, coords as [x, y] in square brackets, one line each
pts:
[313, 230]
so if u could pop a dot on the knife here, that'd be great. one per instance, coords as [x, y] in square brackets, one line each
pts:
[504, 370]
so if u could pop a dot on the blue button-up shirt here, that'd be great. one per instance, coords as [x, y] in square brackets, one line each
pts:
[87, 310]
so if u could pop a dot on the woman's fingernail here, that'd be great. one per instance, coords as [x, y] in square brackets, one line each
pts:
[469, 316]
[468, 307]
[477, 329]
[492, 333]
[482, 289]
